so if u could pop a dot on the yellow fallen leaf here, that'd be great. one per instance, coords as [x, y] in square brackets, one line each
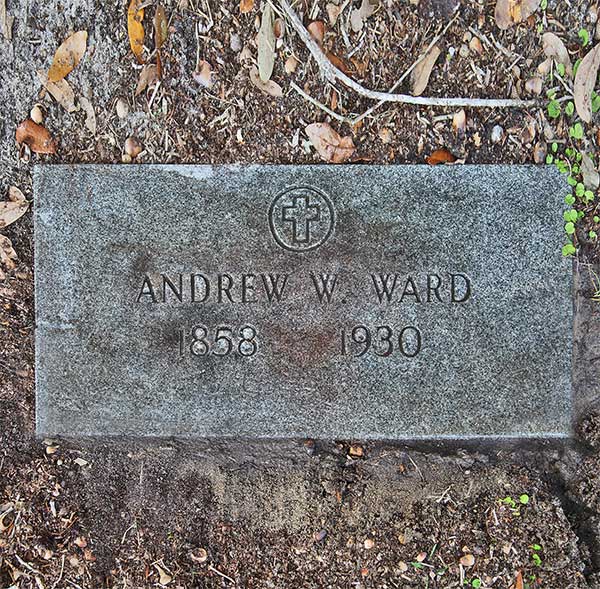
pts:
[329, 144]
[135, 29]
[68, 55]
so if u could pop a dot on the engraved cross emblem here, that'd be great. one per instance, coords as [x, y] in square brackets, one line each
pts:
[300, 214]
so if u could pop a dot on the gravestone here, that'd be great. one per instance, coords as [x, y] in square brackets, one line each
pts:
[374, 302]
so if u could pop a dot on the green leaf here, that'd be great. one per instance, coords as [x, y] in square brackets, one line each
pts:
[536, 559]
[570, 108]
[560, 68]
[549, 159]
[570, 215]
[596, 219]
[579, 189]
[576, 67]
[570, 228]
[536, 546]
[568, 249]
[524, 499]
[595, 102]
[554, 147]
[588, 195]
[570, 199]
[593, 235]
[571, 181]
[576, 131]
[584, 36]
[554, 109]
[476, 583]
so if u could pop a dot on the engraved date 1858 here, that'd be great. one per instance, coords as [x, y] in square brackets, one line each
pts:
[220, 341]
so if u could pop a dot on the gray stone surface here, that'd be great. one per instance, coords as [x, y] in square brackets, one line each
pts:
[114, 350]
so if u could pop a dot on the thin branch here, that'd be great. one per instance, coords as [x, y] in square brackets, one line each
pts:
[318, 104]
[333, 74]
[407, 72]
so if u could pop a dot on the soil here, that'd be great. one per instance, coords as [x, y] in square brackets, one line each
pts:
[300, 513]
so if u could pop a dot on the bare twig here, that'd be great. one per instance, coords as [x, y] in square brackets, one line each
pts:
[407, 72]
[333, 74]
[214, 570]
[318, 104]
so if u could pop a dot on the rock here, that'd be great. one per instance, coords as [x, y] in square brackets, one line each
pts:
[497, 134]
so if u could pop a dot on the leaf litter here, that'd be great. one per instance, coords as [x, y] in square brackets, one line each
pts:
[330, 145]
[67, 56]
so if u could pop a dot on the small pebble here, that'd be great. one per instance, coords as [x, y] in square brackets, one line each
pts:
[369, 543]
[235, 42]
[122, 108]
[132, 147]
[463, 51]
[37, 114]
[497, 134]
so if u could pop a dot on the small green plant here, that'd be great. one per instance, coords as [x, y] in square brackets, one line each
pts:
[584, 36]
[535, 556]
[476, 583]
[570, 108]
[554, 109]
[576, 131]
[524, 499]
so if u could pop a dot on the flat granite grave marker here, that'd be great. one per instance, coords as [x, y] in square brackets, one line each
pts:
[375, 302]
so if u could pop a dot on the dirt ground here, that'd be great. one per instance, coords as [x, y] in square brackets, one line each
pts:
[298, 513]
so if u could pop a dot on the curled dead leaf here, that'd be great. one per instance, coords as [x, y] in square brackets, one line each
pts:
[269, 87]
[509, 12]
[329, 144]
[36, 137]
[14, 208]
[421, 73]
[8, 255]
[67, 56]
[440, 156]
[585, 80]
[148, 77]
[555, 49]
[459, 122]
[135, 28]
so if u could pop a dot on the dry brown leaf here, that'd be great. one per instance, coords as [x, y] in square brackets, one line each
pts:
[269, 87]
[148, 77]
[440, 156]
[164, 577]
[6, 21]
[8, 255]
[14, 208]
[61, 91]
[555, 49]
[203, 74]
[329, 144]
[317, 31]
[246, 6]
[421, 73]
[333, 11]
[135, 29]
[509, 12]
[519, 581]
[161, 30]
[585, 80]
[339, 63]
[591, 178]
[36, 137]
[90, 115]
[68, 55]
[359, 15]
[468, 560]
[266, 44]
